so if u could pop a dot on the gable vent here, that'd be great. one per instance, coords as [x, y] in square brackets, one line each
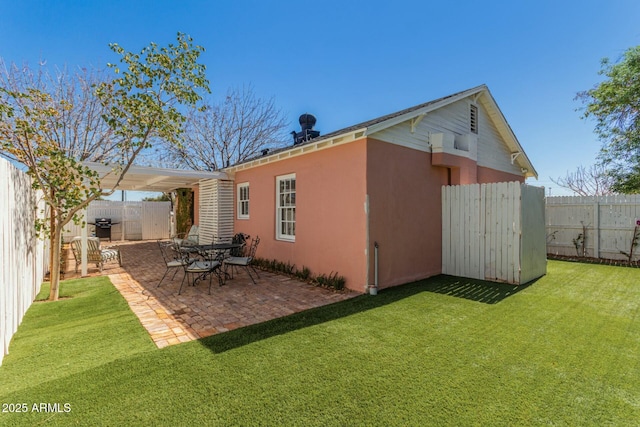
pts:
[473, 118]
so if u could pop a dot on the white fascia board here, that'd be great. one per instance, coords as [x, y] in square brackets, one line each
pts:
[422, 111]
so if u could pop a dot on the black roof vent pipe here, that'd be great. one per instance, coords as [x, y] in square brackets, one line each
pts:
[307, 122]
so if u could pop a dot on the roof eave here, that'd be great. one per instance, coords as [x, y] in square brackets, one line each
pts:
[508, 135]
[315, 145]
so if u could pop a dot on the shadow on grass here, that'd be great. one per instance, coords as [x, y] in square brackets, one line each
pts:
[475, 290]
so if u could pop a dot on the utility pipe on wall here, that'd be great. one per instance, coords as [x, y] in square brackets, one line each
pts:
[373, 290]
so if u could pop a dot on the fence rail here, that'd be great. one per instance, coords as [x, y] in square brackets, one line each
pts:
[23, 259]
[598, 227]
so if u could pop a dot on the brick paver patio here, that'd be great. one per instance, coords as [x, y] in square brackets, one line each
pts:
[172, 319]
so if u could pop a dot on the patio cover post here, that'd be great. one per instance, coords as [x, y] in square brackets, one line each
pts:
[83, 237]
[172, 215]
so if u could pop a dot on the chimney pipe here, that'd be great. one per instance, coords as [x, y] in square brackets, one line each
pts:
[307, 122]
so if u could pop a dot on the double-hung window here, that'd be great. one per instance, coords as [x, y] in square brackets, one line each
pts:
[286, 207]
[243, 201]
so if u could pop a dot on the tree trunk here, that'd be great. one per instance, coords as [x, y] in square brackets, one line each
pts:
[52, 228]
[56, 240]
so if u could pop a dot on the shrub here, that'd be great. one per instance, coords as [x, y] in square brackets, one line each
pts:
[328, 281]
[303, 274]
[331, 281]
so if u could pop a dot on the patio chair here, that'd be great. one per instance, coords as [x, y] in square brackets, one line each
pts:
[189, 238]
[95, 254]
[173, 260]
[244, 261]
[240, 238]
[200, 270]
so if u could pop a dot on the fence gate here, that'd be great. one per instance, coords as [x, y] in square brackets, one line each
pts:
[493, 232]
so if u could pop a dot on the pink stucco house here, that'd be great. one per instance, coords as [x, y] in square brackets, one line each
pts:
[324, 201]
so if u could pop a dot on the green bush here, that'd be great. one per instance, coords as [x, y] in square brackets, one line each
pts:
[331, 281]
[328, 281]
[303, 274]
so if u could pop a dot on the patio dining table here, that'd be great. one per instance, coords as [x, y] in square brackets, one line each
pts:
[211, 252]
[217, 248]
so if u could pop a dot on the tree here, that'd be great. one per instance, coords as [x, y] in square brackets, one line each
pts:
[164, 197]
[81, 132]
[140, 104]
[239, 127]
[592, 181]
[615, 106]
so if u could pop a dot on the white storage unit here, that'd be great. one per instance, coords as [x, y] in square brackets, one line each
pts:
[494, 232]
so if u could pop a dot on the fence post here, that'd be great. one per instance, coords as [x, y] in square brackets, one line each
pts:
[596, 229]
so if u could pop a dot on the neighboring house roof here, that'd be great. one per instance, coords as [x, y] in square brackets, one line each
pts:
[480, 93]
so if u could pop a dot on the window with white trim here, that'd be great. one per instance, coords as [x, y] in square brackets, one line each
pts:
[243, 201]
[286, 207]
[473, 118]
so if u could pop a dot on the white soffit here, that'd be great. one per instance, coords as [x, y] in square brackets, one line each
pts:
[141, 178]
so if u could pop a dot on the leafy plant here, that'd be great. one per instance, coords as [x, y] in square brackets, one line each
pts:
[139, 105]
[288, 268]
[303, 274]
[331, 281]
[579, 242]
[634, 243]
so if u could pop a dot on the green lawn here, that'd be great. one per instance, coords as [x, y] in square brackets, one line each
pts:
[564, 350]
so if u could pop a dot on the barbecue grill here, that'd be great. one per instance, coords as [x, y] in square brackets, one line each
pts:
[103, 228]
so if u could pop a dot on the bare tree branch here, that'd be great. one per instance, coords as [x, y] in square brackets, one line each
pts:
[239, 127]
[592, 181]
[79, 129]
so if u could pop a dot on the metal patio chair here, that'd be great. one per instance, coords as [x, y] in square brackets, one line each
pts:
[172, 259]
[244, 261]
[199, 270]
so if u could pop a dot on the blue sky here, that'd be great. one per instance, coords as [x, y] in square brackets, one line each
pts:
[350, 61]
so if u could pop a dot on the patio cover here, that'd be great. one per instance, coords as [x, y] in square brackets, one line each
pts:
[141, 178]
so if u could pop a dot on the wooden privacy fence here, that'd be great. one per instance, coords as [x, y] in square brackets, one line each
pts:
[494, 232]
[136, 220]
[23, 257]
[598, 227]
